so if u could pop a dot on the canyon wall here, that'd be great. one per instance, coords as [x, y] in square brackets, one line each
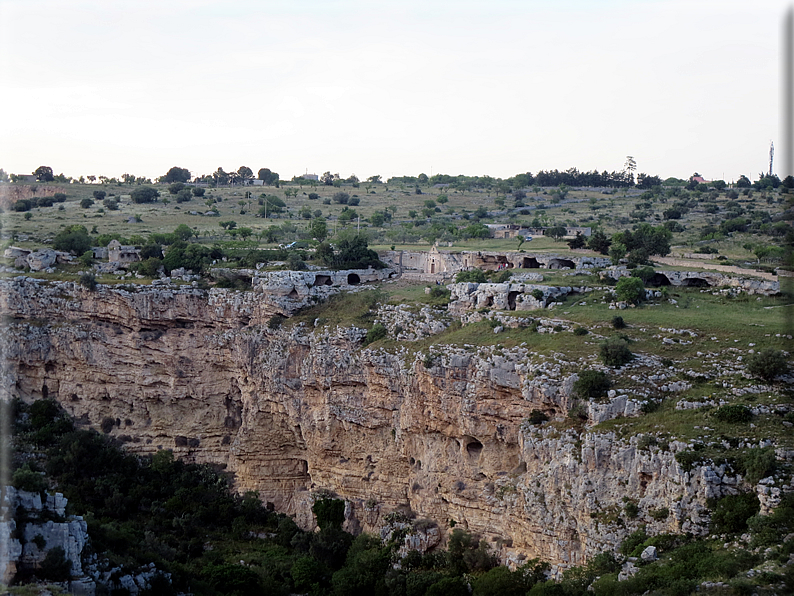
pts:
[295, 410]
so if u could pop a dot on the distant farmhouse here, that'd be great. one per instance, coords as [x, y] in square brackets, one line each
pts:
[515, 230]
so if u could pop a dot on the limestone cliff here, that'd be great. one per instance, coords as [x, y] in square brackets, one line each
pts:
[294, 410]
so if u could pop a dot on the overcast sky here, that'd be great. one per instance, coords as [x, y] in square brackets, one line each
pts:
[391, 88]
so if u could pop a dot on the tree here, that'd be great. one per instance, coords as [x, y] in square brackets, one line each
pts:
[74, 239]
[577, 241]
[630, 289]
[630, 167]
[376, 179]
[768, 364]
[44, 174]
[743, 182]
[556, 232]
[183, 232]
[647, 181]
[267, 176]
[599, 242]
[341, 197]
[220, 177]
[176, 174]
[144, 194]
[86, 203]
[319, 229]
[327, 178]
[99, 194]
[245, 173]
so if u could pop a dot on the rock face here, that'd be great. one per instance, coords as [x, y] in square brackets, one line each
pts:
[294, 410]
[40, 534]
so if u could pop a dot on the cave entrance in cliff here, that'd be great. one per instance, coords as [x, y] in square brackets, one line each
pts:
[530, 263]
[561, 264]
[293, 294]
[511, 300]
[323, 280]
[473, 448]
[658, 279]
[695, 282]
[353, 279]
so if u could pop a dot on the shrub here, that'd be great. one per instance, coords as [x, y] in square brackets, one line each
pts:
[503, 277]
[375, 333]
[659, 514]
[313, 196]
[580, 331]
[99, 194]
[630, 289]
[86, 203]
[756, 464]
[472, 276]
[768, 364]
[197, 192]
[330, 512]
[26, 479]
[631, 509]
[111, 204]
[88, 280]
[144, 194]
[615, 352]
[618, 322]
[537, 294]
[734, 413]
[55, 566]
[537, 417]
[23, 205]
[107, 424]
[275, 321]
[732, 512]
[687, 459]
[592, 384]
[59, 197]
[341, 197]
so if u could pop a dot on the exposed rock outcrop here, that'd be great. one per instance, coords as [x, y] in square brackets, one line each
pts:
[293, 410]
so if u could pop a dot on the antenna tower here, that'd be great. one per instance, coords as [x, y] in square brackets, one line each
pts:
[771, 156]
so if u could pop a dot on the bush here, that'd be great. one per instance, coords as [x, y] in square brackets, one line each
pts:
[472, 276]
[313, 196]
[59, 197]
[377, 332]
[687, 459]
[341, 197]
[630, 289]
[756, 464]
[99, 194]
[26, 479]
[111, 204]
[330, 513]
[615, 352]
[23, 205]
[197, 192]
[580, 331]
[618, 322]
[537, 294]
[86, 203]
[732, 512]
[144, 194]
[73, 239]
[275, 321]
[733, 413]
[592, 384]
[503, 277]
[55, 566]
[768, 364]
[88, 280]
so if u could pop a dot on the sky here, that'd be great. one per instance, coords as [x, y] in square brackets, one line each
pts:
[391, 88]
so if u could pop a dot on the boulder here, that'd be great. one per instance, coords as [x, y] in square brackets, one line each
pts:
[41, 259]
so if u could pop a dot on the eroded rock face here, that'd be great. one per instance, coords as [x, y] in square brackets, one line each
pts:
[293, 410]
